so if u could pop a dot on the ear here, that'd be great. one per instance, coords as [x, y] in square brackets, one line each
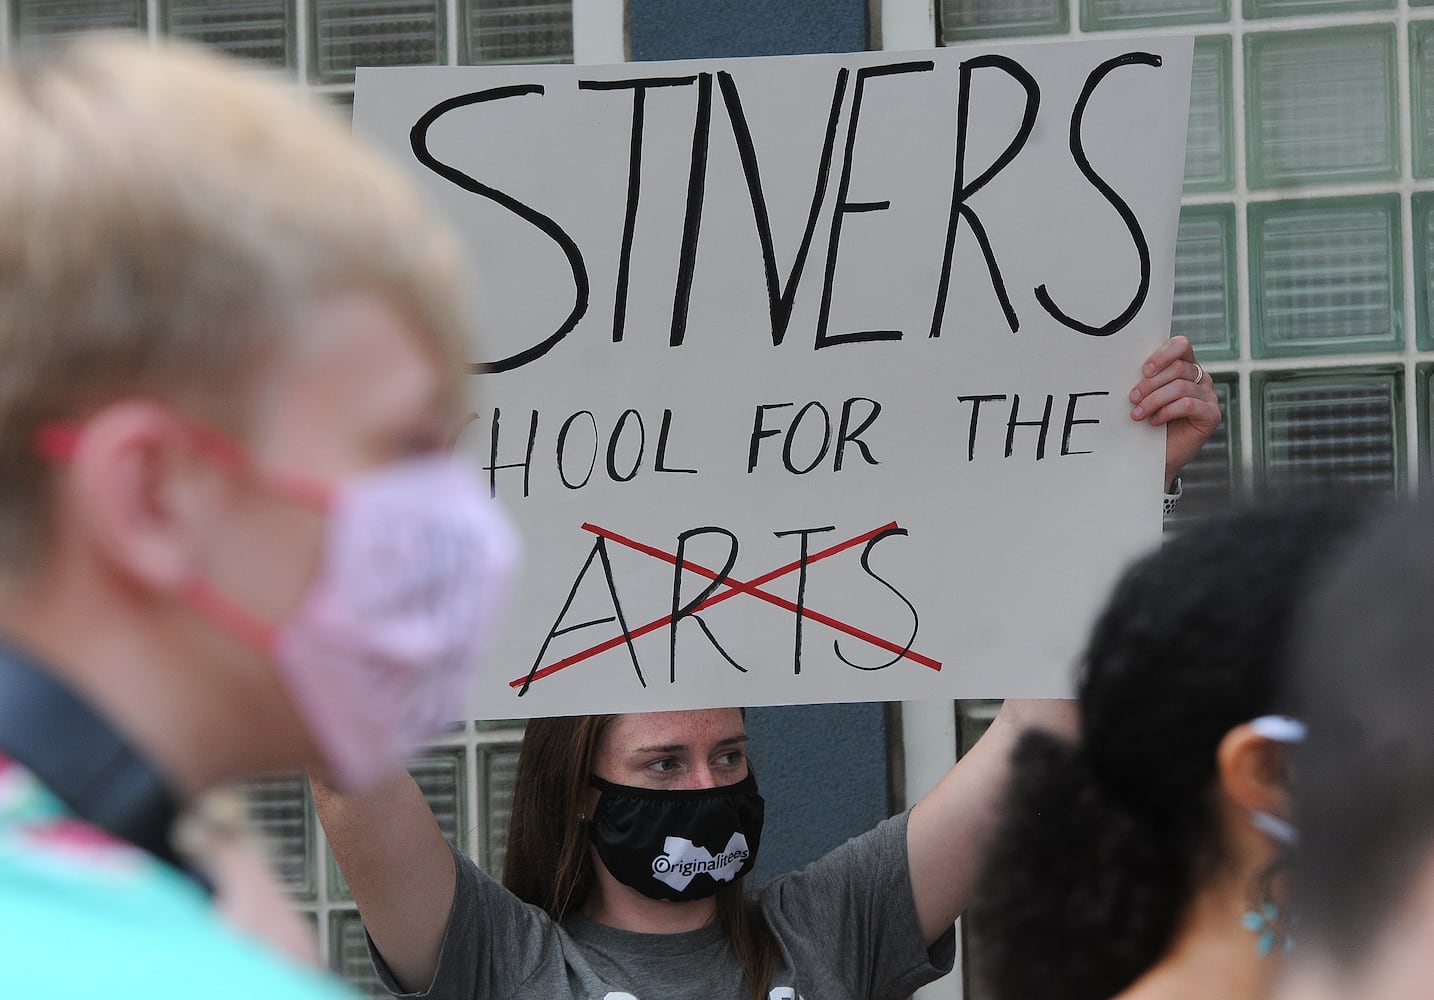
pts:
[136, 492]
[1254, 772]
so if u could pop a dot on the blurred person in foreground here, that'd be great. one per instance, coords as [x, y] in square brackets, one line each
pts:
[230, 346]
[1364, 796]
[1147, 861]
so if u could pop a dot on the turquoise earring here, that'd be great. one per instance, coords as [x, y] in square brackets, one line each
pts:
[1270, 928]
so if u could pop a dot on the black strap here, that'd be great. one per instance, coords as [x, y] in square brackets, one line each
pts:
[82, 759]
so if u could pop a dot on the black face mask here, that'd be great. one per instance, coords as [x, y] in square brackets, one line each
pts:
[678, 844]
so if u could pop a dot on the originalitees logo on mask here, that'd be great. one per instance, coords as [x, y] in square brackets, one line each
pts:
[681, 861]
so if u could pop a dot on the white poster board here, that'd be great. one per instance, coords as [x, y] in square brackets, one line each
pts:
[806, 377]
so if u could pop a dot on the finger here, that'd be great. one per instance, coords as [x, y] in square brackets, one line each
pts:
[1177, 370]
[1200, 413]
[1174, 349]
[1164, 395]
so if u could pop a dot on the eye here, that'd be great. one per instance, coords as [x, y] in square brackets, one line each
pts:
[731, 758]
[663, 765]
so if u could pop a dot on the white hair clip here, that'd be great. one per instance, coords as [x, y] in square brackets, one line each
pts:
[1280, 728]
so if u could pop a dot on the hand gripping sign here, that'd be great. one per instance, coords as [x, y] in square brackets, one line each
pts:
[805, 377]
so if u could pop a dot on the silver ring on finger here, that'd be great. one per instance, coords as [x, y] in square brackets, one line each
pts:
[1199, 373]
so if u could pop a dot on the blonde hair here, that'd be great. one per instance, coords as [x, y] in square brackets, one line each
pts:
[162, 215]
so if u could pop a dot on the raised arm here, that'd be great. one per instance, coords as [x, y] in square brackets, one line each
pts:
[949, 830]
[950, 827]
[398, 864]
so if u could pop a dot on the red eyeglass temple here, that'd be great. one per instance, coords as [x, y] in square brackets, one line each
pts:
[58, 442]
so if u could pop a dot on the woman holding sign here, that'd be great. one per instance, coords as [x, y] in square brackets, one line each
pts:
[612, 888]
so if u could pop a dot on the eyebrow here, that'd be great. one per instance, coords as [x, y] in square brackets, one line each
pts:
[677, 747]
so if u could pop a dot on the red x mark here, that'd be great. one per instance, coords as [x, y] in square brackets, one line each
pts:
[751, 588]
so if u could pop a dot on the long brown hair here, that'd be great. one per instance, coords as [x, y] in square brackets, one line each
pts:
[549, 863]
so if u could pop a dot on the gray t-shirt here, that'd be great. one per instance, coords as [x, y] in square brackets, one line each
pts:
[846, 927]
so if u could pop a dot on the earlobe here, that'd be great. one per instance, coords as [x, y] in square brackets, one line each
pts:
[133, 494]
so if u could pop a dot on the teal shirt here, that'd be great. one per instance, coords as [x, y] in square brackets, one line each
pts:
[84, 915]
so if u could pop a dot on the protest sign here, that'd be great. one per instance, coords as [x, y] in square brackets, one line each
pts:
[806, 377]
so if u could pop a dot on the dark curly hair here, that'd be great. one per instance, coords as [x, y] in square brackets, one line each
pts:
[1100, 847]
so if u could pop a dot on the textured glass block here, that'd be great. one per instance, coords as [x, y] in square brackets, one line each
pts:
[1340, 429]
[1209, 136]
[973, 717]
[1096, 15]
[278, 808]
[1209, 481]
[519, 31]
[262, 30]
[1320, 105]
[1421, 81]
[352, 33]
[1283, 8]
[348, 953]
[990, 18]
[440, 774]
[500, 725]
[1423, 205]
[1424, 390]
[35, 18]
[498, 767]
[343, 104]
[1325, 276]
[1205, 308]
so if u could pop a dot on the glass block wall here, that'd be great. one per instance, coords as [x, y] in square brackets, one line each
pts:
[321, 41]
[468, 781]
[1305, 260]
[467, 776]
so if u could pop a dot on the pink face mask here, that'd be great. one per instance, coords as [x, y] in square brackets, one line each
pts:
[382, 648]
